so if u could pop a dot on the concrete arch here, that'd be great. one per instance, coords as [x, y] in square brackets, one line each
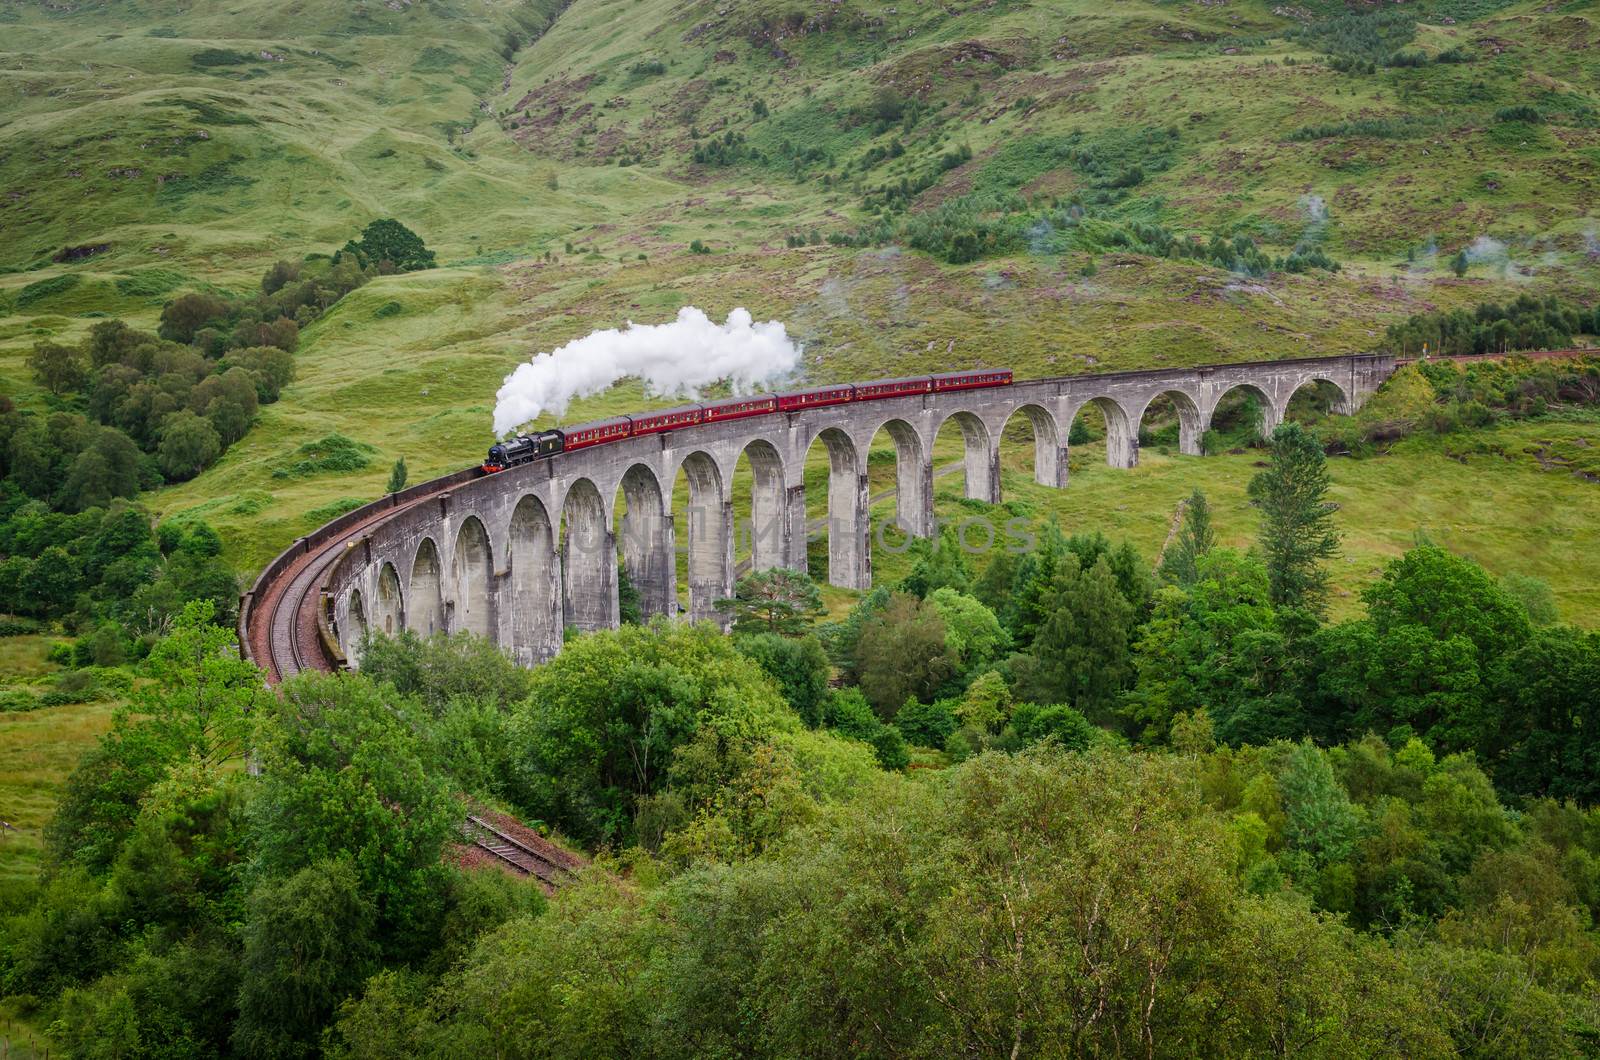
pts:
[535, 583]
[981, 455]
[389, 607]
[1343, 406]
[708, 535]
[1049, 455]
[647, 541]
[769, 513]
[913, 470]
[425, 616]
[472, 579]
[1122, 435]
[588, 558]
[354, 630]
[1271, 411]
[1188, 419]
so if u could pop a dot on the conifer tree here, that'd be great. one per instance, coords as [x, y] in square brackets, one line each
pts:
[1297, 531]
[1195, 538]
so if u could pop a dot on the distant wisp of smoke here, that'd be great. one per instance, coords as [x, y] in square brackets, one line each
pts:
[677, 358]
[1316, 208]
[1486, 250]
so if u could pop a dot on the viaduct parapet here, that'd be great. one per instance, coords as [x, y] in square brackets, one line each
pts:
[522, 554]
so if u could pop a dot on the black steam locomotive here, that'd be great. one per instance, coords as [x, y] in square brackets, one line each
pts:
[521, 449]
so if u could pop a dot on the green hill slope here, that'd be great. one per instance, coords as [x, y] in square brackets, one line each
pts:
[1053, 186]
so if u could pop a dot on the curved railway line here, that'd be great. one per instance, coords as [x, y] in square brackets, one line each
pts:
[282, 624]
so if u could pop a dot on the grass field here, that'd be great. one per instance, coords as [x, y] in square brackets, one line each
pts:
[38, 749]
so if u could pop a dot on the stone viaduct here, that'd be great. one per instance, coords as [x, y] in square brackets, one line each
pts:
[490, 555]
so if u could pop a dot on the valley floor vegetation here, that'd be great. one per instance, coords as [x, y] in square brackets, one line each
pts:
[1074, 802]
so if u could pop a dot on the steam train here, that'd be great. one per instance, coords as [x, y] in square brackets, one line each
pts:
[527, 447]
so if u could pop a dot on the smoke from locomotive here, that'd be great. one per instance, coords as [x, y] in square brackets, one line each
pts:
[677, 358]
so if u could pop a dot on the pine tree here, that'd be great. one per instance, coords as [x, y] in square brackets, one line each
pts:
[1297, 531]
[1195, 538]
[779, 600]
[1081, 656]
[397, 477]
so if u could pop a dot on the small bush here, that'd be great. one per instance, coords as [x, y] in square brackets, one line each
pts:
[208, 57]
[18, 701]
[927, 724]
[40, 290]
[333, 452]
[1522, 113]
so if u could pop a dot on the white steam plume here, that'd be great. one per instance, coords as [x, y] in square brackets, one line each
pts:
[676, 358]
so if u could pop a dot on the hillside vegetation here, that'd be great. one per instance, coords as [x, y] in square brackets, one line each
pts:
[1055, 187]
[1332, 795]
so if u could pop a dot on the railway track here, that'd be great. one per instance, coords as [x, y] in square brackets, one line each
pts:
[287, 642]
[522, 857]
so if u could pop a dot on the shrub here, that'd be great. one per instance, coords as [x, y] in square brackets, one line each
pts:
[40, 290]
[848, 713]
[927, 724]
[1521, 112]
[17, 701]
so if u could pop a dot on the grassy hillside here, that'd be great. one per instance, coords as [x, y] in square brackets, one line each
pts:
[561, 159]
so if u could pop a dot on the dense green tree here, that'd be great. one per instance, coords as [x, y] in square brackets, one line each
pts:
[115, 342]
[972, 632]
[1297, 531]
[1448, 596]
[442, 668]
[994, 587]
[926, 724]
[987, 703]
[1426, 657]
[604, 718]
[271, 368]
[228, 401]
[904, 653]
[391, 246]
[798, 664]
[204, 693]
[1535, 596]
[1066, 727]
[397, 476]
[188, 445]
[842, 638]
[182, 317]
[345, 776]
[1549, 722]
[309, 944]
[111, 467]
[937, 563]
[1081, 655]
[1217, 647]
[59, 369]
[776, 600]
[847, 712]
